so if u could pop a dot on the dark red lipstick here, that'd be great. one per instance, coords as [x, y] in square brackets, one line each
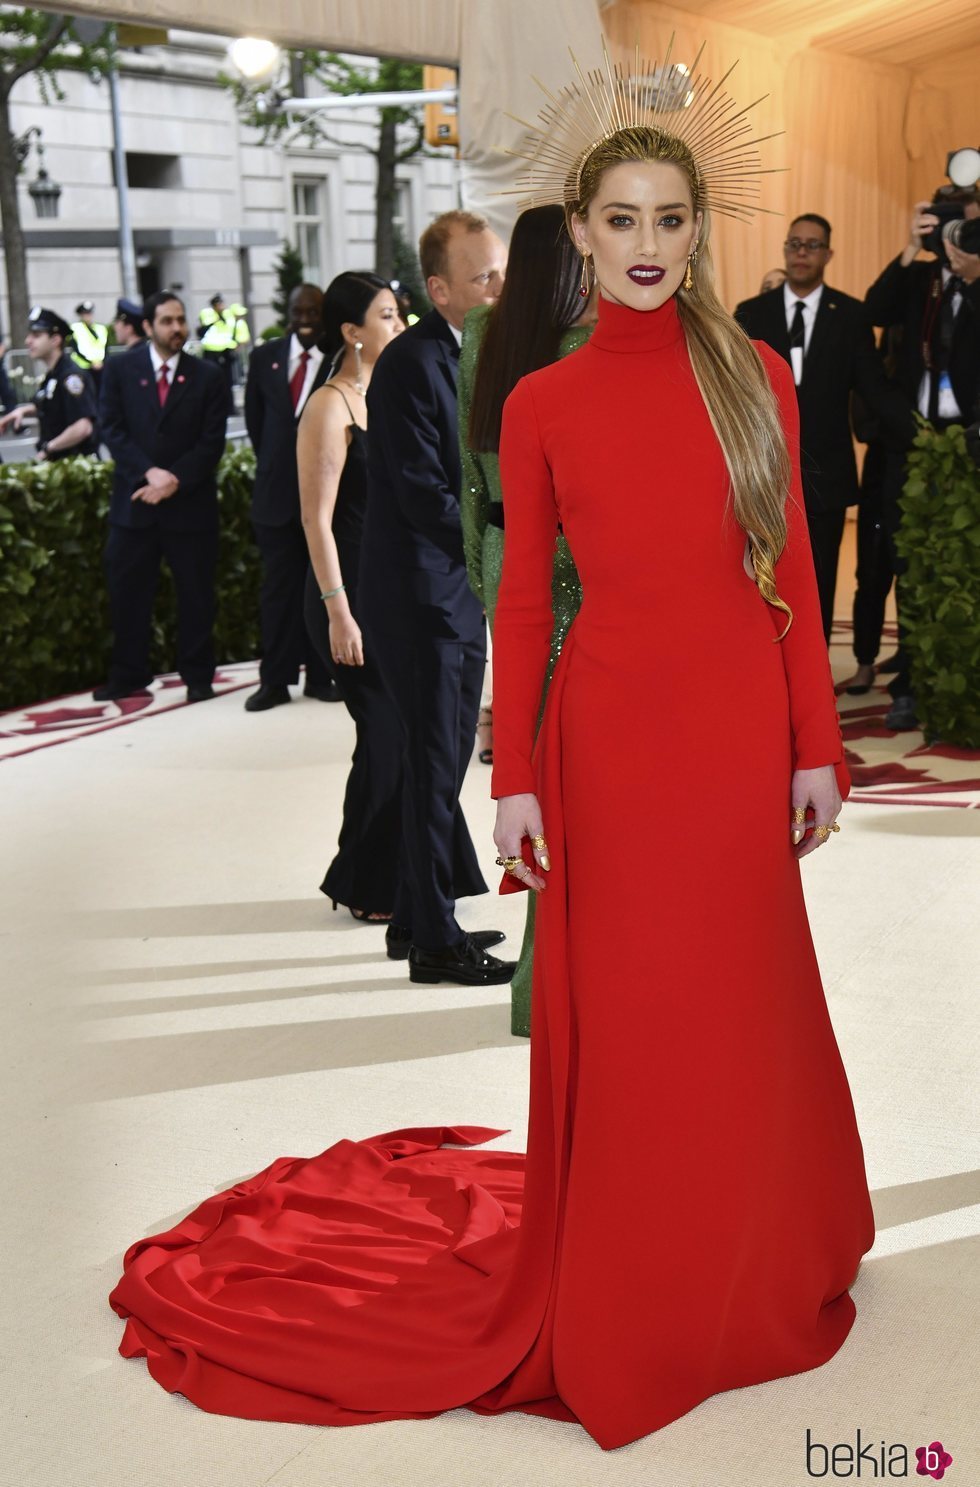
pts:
[646, 274]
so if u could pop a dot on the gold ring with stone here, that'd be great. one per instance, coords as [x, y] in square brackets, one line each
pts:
[538, 843]
[510, 863]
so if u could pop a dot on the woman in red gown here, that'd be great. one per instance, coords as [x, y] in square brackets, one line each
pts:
[693, 1206]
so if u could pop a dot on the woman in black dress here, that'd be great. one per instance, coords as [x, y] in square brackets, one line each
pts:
[360, 317]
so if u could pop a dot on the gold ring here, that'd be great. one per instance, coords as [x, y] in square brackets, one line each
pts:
[799, 814]
[510, 863]
[538, 843]
[823, 832]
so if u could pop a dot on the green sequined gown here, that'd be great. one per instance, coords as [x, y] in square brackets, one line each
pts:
[483, 544]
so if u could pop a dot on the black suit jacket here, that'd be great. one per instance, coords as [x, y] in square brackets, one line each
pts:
[271, 425]
[899, 297]
[413, 572]
[841, 359]
[186, 436]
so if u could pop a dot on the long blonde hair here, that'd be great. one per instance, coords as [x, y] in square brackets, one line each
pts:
[729, 371]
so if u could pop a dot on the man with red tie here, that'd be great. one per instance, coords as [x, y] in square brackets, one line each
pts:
[163, 415]
[281, 376]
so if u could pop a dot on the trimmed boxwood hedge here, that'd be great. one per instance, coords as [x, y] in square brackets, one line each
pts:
[940, 595]
[54, 623]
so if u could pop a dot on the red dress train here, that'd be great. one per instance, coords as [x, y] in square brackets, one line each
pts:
[693, 1203]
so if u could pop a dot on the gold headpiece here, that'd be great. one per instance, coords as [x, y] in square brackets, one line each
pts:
[675, 99]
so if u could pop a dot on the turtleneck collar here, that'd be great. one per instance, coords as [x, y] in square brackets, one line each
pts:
[621, 328]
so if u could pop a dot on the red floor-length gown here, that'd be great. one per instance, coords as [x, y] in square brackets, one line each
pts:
[693, 1203]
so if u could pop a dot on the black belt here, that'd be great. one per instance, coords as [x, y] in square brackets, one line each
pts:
[495, 514]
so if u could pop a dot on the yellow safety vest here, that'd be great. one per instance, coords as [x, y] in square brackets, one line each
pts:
[90, 343]
[225, 331]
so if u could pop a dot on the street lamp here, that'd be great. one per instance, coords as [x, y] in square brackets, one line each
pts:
[256, 59]
[42, 190]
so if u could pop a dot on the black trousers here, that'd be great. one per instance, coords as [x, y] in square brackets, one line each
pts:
[132, 567]
[364, 871]
[285, 642]
[826, 530]
[875, 568]
[435, 685]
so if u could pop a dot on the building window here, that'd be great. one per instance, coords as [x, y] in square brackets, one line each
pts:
[308, 226]
[150, 172]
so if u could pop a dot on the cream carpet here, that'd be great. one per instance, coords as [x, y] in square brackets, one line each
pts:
[181, 1006]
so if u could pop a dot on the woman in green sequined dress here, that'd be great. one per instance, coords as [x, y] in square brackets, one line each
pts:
[539, 317]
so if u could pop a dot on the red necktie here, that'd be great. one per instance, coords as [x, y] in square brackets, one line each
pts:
[298, 380]
[163, 385]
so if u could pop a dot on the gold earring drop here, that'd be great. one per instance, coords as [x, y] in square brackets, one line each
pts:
[585, 286]
[688, 277]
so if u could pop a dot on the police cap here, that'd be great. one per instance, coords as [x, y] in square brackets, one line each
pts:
[87, 307]
[49, 320]
[128, 309]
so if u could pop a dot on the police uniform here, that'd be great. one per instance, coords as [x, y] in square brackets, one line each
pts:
[64, 395]
[90, 340]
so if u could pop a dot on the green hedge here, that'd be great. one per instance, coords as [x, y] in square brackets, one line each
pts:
[54, 624]
[940, 596]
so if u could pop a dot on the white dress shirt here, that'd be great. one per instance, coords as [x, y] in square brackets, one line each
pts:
[158, 361]
[948, 406]
[296, 350]
[810, 305]
[457, 333]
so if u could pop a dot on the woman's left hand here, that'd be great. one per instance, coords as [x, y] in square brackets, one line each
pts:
[346, 644]
[817, 790]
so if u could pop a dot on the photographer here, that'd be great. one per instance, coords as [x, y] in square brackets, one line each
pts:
[936, 306]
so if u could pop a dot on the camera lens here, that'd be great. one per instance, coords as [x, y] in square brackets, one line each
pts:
[963, 233]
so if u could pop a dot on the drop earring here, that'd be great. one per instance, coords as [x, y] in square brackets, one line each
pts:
[585, 286]
[689, 274]
[359, 377]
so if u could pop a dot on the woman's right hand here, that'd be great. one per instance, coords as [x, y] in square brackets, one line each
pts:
[519, 816]
[346, 645]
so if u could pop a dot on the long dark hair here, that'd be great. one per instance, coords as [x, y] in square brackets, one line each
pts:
[346, 300]
[538, 303]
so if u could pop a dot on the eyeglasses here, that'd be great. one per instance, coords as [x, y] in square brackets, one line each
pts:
[804, 245]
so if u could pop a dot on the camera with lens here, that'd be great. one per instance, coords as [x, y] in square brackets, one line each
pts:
[953, 227]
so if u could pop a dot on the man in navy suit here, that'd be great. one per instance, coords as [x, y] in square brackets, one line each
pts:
[827, 339]
[419, 614]
[163, 416]
[281, 376]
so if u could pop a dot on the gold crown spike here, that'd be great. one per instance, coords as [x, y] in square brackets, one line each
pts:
[668, 96]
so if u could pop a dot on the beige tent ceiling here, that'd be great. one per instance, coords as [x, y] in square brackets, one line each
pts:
[905, 33]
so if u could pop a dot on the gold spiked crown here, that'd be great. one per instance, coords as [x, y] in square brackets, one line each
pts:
[675, 99]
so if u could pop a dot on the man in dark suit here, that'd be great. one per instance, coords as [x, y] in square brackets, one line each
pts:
[163, 416]
[281, 376]
[934, 306]
[826, 338]
[419, 614]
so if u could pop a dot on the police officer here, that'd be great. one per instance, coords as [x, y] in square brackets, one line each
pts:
[224, 329]
[128, 324]
[91, 339]
[65, 402]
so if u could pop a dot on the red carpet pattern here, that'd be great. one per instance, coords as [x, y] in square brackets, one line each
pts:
[44, 724]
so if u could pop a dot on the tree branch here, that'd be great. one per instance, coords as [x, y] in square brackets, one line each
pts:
[413, 149]
[37, 59]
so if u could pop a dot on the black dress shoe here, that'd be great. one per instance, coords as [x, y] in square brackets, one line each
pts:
[203, 692]
[111, 691]
[398, 941]
[266, 697]
[902, 715]
[326, 693]
[465, 963]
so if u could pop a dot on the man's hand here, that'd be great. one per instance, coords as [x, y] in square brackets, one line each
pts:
[519, 816]
[922, 220]
[967, 265]
[160, 486]
[15, 417]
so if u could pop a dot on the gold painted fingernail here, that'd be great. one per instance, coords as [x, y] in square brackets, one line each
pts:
[797, 836]
[546, 864]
